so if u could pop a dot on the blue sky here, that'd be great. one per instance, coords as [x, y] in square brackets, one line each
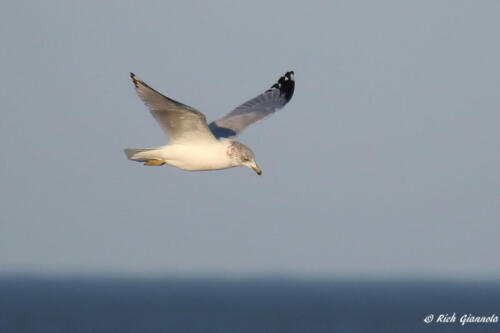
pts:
[385, 162]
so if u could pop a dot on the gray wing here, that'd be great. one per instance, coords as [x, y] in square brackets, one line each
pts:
[255, 109]
[180, 122]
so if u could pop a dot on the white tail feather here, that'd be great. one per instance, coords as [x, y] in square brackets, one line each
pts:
[140, 154]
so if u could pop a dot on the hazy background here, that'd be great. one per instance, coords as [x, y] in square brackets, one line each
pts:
[385, 163]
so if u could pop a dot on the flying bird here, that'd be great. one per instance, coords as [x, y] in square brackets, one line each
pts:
[195, 145]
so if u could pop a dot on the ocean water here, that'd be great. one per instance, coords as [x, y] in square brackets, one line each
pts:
[255, 305]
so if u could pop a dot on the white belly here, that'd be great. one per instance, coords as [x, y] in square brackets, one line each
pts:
[196, 158]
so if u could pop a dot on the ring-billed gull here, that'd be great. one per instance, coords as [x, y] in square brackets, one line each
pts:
[195, 145]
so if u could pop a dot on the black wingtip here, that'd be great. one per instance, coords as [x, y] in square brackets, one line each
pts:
[286, 85]
[132, 76]
[135, 79]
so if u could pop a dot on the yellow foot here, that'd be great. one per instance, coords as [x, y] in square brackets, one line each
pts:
[154, 162]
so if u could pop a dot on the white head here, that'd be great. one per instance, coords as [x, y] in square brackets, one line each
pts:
[241, 155]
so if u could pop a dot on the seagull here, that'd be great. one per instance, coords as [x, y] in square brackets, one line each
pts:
[195, 145]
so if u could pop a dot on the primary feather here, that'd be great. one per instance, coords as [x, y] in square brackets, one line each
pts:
[255, 109]
[180, 122]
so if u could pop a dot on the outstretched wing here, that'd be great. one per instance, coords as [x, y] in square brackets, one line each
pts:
[255, 109]
[180, 122]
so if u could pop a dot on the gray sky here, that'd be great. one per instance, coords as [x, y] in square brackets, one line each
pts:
[385, 163]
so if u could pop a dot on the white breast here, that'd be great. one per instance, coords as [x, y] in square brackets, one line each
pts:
[197, 157]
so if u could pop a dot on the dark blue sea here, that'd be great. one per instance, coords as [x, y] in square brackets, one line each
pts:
[52, 305]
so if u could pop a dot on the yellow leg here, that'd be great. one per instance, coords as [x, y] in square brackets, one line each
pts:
[154, 162]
